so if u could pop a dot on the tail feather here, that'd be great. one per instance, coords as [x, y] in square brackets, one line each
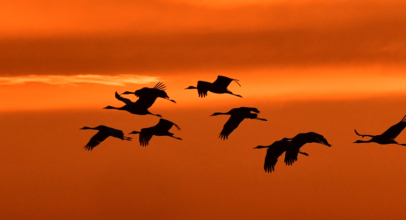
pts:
[176, 126]
[236, 80]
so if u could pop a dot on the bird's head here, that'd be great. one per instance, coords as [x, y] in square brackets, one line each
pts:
[85, 128]
[134, 132]
[260, 147]
[217, 113]
[127, 92]
[359, 141]
[191, 87]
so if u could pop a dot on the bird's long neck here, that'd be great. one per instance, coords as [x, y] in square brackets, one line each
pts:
[86, 128]
[111, 107]
[361, 141]
[260, 147]
[128, 92]
[220, 113]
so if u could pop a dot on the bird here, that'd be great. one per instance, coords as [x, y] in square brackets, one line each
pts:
[219, 86]
[138, 107]
[237, 116]
[386, 137]
[160, 129]
[147, 96]
[292, 148]
[104, 132]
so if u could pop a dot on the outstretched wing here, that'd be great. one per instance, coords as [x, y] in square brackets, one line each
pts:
[126, 101]
[230, 125]
[274, 151]
[249, 109]
[223, 82]
[202, 88]
[395, 130]
[116, 133]
[310, 137]
[291, 154]
[96, 139]
[145, 137]
[145, 102]
[165, 125]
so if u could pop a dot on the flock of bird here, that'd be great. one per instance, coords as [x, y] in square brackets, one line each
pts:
[289, 146]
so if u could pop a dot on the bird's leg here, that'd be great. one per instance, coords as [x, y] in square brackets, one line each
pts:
[156, 115]
[170, 100]
[236, 95]
[304, 153]
[231, 93]
[176, 137]
[128, 138]
[363, 135]
[262, 119]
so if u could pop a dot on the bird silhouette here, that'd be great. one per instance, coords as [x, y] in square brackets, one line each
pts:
[147, 96]
[104, 132]
[386, 137]
[160, 129]
[237, 116]
[292, 148]
[219, 86]
[139, 107]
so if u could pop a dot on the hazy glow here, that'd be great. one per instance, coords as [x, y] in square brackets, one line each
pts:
[117, 80]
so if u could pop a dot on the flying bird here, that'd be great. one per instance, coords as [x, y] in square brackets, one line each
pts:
[104, 132]
[219, 86]
[147, 96]
[237, 116]
[386, 137]
[160, 129]
[139, 107]
[292, 148]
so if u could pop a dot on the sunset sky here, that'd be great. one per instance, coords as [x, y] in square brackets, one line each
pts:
[307, 65]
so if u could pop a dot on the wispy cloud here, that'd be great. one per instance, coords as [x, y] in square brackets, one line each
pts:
[115, 80]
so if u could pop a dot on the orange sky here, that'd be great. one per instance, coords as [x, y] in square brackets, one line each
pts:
[327, 67]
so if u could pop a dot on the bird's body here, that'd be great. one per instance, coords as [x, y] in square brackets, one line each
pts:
[104, 132]
[237, 116]
[387, 137]
[160, 129]
[147, 96]
[219, 86]
[140, 107]
[292, 148]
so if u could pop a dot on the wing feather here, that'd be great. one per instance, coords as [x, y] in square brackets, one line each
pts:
[202, 88]
[230, 126]
[126, 101]
[96, 139]
[144, 138]
[164, 125]
[274, 151]
[223, 82]
[291, 155]
[395, 130]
